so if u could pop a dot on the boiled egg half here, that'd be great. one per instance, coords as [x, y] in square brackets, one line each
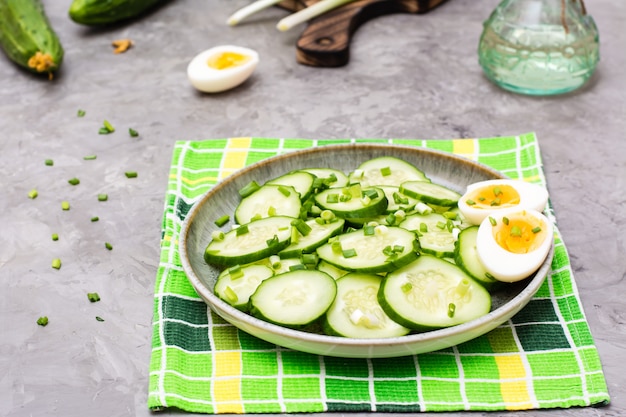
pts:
[512, 244]
[222, 68]
[484, 198]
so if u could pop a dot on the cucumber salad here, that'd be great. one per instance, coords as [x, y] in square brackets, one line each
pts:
[378, 252]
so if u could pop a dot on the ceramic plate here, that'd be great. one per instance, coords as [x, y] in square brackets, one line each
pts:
[442, 168]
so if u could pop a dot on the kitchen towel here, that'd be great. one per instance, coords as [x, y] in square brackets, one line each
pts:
[545, 357]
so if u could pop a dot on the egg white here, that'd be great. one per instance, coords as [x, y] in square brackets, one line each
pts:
[532, 196]
[212, 80]
[508, 266]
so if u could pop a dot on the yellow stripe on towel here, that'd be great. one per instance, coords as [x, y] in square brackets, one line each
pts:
[235, 155]
[227, 389]
[513, 385]
[464, 147]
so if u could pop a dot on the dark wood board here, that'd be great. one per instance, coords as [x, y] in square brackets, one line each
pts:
[325, 42]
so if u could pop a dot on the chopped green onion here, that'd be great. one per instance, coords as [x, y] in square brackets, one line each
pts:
[536, 229]
[391, 219]
[275, 261]
[257, 216]
[271, 211]
[55, 237]
[309, 259]
[32, 194]
[297, 267]
[336, 246]
[451, 309]
[132, 132]
[492, 221]
[108, 126]
[495, 202]
[366, 200]
[481, 198]
[80, 113]
[450, 215]
[108, 246]
[423, 227]
[284, 190]
[369, 230]
[218, 235]
[231, 295]
[56, 263]
[399, 199]
[222, 220]
[441, 225]
[406, 287]
[49, 162]
[345, 198]
[385, 171]
[89, 157]
[327, 215]
[295, 235]
[235, 272]
[98, 318]
[349, 253]
[249, 189]
[95, 218]
[387, 250]
[332, 198]
[398, 248]
[302, 227]
[65, 205]
[130, 174]
[103, 197]
[93, 297]
[272, 242]
[470, 202]
[370, 193]
[497, 191]
[241, 230]
[74, 181]
[42, 321]
[505, 220]
[516, 231]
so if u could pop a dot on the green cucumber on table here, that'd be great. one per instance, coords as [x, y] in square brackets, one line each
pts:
[27, 37]
[105, 12]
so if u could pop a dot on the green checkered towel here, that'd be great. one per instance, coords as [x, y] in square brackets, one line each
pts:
[544, 357]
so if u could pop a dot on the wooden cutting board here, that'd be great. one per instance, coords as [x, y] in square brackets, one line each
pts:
[326, 40]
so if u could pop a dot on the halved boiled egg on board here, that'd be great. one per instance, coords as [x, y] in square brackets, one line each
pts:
[513, 243]
[222, 68]
[483, 198]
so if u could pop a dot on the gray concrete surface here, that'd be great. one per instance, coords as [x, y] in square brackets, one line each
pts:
[409, 77]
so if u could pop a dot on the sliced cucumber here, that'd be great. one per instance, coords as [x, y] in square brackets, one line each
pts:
[386, 170]
[331, 270]
[269, 200]
[356, 312]
[294, 299]
[236, 285]
[430, 193]
[263, 238]
[301, 181]
[466, 257]
[432, 293]
[331, 177]
[386, 249]
[352, 201]
[317, 236]
[434, 232]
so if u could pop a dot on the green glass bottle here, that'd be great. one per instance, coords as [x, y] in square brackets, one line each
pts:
[539, 47]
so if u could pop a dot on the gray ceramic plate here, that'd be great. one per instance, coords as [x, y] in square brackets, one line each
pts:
[449, 170]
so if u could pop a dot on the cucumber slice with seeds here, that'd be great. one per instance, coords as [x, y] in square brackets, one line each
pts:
[352, 201]
[430, 193]
[431, 293]
[301, 181]
[317, 236]
[386, 170]
[294, 299]
[236, 288]
[263, 238]
[356, 312]
[382, 251]
[269, 200]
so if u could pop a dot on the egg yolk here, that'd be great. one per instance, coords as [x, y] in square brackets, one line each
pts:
[500, 196]
[520, 235]
[227, 60]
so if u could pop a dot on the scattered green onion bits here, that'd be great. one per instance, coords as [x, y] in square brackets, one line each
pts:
[132, 132]
[95, 218]
[56, 263]
[74, 181]
[49, 162]
[106, 128]
[80, 113]
[103, 197]
[222, 220]
[130, 174]
[89, 157]
[42, 321]
[93, 297]
[32, 194]
[55, 237]
[108, 246]
[99, 318]
[65, 205]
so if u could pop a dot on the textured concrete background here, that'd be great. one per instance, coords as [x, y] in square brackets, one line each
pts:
[409, 77]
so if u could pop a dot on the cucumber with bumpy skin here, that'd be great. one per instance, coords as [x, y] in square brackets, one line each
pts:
[27, 37]
[103, 12]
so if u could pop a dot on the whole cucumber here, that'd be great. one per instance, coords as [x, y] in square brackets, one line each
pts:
[27, 37]
[103, 12]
